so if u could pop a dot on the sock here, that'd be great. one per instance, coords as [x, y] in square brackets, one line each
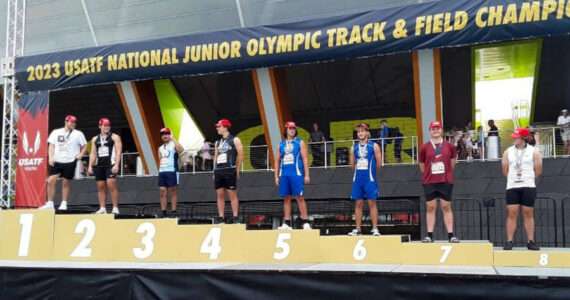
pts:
[358, 228]
[49, 202]
[449, 235]
[305, 221]
[288, 222]
[375, 227]
[63, 201]
[430, 235]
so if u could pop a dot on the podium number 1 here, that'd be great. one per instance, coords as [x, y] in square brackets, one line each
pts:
[446, 250]
[26, 221]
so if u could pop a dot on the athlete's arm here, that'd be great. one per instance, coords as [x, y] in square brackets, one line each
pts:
[537, 164]
[82, 152]
[92, 155]
[422, 159]
[239, 149]
[277, 165]
[177, 146]
[505, 163]
[215, 161]
[51, 150]
[378, 156]
[307, 179]
[351, 157]
[118, 149]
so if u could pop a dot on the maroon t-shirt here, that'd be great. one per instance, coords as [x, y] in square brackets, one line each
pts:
[441, 163]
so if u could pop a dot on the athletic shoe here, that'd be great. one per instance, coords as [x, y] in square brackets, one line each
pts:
[284, 227]
[219, 220]
[48, 205]
[164, 214]
[427, 239]
[63, 205]
[375, 232]
[235, 220]
[531, 245]
[115, 211]
[307, 226]
[355, 232]
[508, 245]
[101, 211]
[453, 240]
[172, 214]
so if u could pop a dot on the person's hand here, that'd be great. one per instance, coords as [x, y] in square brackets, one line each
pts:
[237, 174]
[78, 157]
[307, 180]
[277, 181]
[90, 170]
[51, 162]
[115, 169]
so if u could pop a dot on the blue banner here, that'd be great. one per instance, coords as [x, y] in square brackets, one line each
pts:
[386, 31]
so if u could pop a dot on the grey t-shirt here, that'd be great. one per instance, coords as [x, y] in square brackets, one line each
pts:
[317, 136]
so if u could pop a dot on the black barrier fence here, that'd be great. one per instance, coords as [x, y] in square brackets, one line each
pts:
[474, 219]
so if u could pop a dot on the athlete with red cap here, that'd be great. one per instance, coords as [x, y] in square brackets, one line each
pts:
[66, 146]
[521, 165]
[168, 177]
[228, 156]
[291, 174]
[437, 160]
[106, 148]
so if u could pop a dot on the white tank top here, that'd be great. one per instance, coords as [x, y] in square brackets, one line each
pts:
[521, 167]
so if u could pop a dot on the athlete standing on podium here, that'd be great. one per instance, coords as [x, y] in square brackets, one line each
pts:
[521, 164]
[365, 160]
[291, 174]
[106, 148]
[168, 177]
[228, 157]
[437, 160]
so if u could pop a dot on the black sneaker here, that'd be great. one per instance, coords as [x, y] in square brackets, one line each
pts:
[164, 214]
[172, 214]
[235, 220]
[219, 220]
[531, 245]
[508, 245]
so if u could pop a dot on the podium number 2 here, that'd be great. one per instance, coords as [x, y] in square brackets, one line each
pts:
[86, 226]
[26, 221]
[446, 250]
[211, 243]
[148, 245]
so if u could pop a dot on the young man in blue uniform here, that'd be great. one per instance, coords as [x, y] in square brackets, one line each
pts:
[168, 177]
[365, 160]
[291, 174]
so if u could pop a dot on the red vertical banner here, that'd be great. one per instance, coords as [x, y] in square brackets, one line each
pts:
[32, 162]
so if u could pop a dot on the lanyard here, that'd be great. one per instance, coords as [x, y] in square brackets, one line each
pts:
[223, 143]
[437, 148]
[519, 157]
[362, 150]
[288, 146]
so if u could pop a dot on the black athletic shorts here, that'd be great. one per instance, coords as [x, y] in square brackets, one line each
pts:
[441, 190]
[521, 196]
[225, 178]
[66, 170]
[104, 173]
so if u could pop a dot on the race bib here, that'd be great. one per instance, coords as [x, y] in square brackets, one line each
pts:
[63, 148]
[103, 151]
[437, 168]
[222, 158]
[288, 159]
[362, 164]
[164, 162]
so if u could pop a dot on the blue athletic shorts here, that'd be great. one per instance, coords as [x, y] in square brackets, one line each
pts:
[364, 190]
[168, 179]
[291, 185]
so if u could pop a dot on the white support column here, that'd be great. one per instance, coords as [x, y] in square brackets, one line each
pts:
[139, 130]
[427, 82]
[271, 117]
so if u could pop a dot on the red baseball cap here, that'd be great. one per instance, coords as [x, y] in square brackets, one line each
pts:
[165, 130]
[70, 118]
[224, 122]
[435, 124]
[363, 125]
[104, 121]
[521, 131]
[290, 124]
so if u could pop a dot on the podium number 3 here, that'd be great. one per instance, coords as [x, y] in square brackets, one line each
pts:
[148, 245]
[26, 221]
[86, 226]
[446, 250]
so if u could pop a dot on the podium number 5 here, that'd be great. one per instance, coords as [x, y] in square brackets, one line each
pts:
[446, 250]
[26, 221]
[282, 244]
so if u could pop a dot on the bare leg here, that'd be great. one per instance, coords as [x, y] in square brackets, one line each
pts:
[173, 197]
[287, 208]
[302, 207]
[65, 184]
[52, 180]
[431, 207]
[234, 202]
[102, 192]
[513, 213]
[373, 212]
[114, 191]
[221, 193]
[447, 214]
[358, 212]
[163, 198]
[528, 217]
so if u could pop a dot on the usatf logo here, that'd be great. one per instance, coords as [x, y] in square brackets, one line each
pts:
[30, 164]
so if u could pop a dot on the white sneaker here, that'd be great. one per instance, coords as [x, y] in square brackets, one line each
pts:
[375, 232]
[48, 205]
[63, 205]
[101, 211]
[355, 232]
[115, 210]
[284, 227]
[307, 226]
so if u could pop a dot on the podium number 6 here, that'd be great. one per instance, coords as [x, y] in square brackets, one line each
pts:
[446, 251]
[359, 252]
[281, 243]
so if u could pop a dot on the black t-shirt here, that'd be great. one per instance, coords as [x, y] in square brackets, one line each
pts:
[494, 131]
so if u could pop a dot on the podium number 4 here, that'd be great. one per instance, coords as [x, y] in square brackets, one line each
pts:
[446, 250]
[211, 244]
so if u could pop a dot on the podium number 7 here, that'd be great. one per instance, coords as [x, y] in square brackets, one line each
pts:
[446, 250]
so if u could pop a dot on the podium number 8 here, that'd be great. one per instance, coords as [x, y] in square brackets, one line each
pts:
[543, 259]
[281, 243]
[87, 226]
[446, 251]
[148, 248]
